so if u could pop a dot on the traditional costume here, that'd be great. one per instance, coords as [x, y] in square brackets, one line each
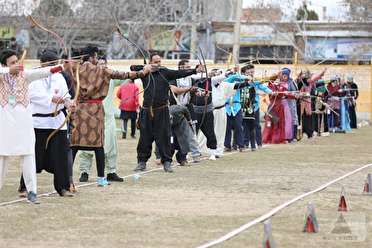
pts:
[220, 93]
[154, 116]
[251, 113]
[333, 100]
[234, 115]
[110, 144]
[306, 85]
[279, 120]
[88, 119]
[353, 96]
[320, 112]
[17, 137]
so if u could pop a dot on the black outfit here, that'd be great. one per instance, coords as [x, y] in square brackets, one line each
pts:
[321, 115]
[71, 90]
[248, 97]
[179, 115]
[99, 153]
[154, 115]
[306, 120]
[54, 159]
[352, 104]
[202, 111]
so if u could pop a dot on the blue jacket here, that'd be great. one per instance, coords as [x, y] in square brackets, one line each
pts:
[258, 86]
[233, 104]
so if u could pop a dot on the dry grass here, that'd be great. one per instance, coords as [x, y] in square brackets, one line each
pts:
[202, 202]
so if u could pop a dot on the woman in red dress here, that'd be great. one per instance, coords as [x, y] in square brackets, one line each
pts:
[279, 120]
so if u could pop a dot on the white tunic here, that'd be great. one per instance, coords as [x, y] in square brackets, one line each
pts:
[219, 96]
[17, 135]
[41, 93]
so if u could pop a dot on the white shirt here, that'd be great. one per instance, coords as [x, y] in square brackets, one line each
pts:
[221, 93]
[41, 93]
[186, 82]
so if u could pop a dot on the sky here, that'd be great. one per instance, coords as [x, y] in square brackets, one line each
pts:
[335, 9]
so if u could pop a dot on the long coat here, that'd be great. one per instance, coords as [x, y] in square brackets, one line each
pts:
[88, 120]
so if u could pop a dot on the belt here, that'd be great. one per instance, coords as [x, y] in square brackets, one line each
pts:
[219, 107]
[151, 109]
[46, 115]
[92, 101]
[156, 108]
[203, 108]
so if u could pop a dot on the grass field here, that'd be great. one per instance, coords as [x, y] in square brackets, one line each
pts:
[203, 202]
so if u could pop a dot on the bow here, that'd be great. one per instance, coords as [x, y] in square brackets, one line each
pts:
[23, 57]
[206, 86]
[118, 29]
[75, 100]
[62, 44]
[34, 23]
[60, 40]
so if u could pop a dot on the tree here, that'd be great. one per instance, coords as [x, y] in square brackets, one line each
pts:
[304, 14]
[359, 10]
[51, 14]
[151, 24]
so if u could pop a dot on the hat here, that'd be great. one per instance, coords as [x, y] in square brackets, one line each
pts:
[350, 78]
[286, 71]
[319, 83]
[48, 55]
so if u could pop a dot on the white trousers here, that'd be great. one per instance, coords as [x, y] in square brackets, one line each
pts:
[220, 122]
[28, 170]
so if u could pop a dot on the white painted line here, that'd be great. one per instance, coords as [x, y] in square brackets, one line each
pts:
[94, 183]
[277, 209]
[78, 186]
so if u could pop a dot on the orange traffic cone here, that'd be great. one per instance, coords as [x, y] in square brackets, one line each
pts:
[311, 223]
[309, 226]
[342, 206]
[268, 241]
[368, 184]
[366, 187]
[267, 244]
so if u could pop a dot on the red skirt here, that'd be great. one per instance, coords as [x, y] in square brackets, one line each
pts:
[274, 130]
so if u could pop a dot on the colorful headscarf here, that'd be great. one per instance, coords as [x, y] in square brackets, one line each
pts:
[286, 71]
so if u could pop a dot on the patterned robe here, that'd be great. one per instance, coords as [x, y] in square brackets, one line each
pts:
[88, 120]
[279, 121]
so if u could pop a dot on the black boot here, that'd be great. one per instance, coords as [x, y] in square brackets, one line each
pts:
[124, 135]
[141, 166]
[84, 177]
[167, 167]
[22, 188]
[113, 177]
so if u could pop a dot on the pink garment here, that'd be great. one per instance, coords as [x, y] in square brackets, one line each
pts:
[306, 105]
[288, 129]
[279, 129]
[287, 113]
[128, 95]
